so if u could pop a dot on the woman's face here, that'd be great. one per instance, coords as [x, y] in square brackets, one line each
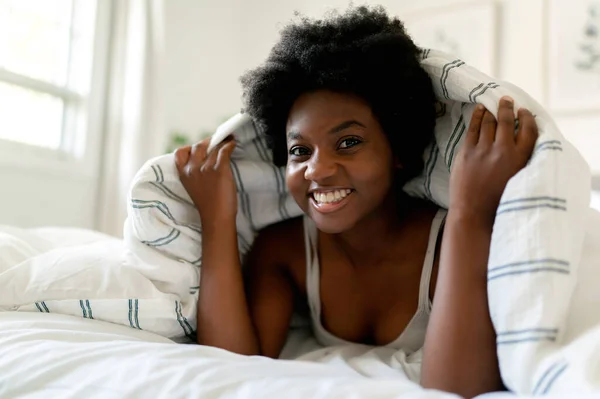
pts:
[340, 165]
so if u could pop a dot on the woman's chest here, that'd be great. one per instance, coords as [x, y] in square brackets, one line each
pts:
[367, 302]
[365, 305]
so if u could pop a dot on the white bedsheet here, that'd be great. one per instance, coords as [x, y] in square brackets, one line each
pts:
[57, 356]
[50, 355]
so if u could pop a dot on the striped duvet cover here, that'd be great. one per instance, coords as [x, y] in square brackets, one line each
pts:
[544, 232]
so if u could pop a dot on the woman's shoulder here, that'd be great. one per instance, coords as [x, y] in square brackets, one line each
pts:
[420, 211]
[284, 231]
[280, 242]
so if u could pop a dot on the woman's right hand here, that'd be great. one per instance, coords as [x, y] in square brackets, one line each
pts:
[208, 179]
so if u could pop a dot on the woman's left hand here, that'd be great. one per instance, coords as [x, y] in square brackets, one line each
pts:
[491, 155]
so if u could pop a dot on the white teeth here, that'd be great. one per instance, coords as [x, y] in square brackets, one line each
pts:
[331, 196]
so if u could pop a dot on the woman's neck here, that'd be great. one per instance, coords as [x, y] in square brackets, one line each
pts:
[373, 238]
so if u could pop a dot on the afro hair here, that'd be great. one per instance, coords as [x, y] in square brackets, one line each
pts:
[362, 51]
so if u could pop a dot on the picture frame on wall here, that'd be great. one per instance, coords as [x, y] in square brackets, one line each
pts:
[573, 55]
[466, 30]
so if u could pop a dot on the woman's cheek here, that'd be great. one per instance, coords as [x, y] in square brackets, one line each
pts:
[374, 177]
[294, 178]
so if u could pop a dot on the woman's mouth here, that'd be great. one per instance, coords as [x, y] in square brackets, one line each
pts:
[330, 201]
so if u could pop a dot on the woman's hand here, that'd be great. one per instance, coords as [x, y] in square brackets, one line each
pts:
[208, 179]
[491, 155]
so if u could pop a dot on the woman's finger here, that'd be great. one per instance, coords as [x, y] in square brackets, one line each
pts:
[505, 133]
[211, 159]
[182, 155]
[224, 155]
[198, 154]
[475, 126]
[527, 134]
[487, 135]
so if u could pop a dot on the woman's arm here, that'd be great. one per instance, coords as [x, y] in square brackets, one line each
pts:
[460, 345]
[223, 317]
[270, 289]
[227, 318]
[249, 317]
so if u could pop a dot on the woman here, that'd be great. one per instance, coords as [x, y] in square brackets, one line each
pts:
[349, 112]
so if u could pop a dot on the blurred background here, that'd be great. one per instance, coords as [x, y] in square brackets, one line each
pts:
[90, 89]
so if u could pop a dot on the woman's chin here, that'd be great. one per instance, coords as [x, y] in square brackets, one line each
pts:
[331, 224]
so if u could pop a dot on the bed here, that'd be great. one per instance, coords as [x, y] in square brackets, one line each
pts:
[53, 345]
[46, 354]
[58, 356]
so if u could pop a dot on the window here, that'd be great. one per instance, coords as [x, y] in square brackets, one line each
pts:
[46, 57]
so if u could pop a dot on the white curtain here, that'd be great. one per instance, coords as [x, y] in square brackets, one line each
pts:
[134, 125]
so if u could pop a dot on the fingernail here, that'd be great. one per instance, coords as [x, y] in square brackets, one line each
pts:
[509, 99]
[480, 107]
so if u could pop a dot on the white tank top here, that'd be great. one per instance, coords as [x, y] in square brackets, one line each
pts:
[413, 336]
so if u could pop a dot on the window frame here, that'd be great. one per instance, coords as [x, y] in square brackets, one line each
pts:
[80, 159]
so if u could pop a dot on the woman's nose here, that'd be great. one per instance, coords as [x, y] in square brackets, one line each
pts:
[320, 167]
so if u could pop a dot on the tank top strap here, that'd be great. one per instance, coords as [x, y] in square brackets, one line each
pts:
[309, 233]
[436, 226]
[313, 273]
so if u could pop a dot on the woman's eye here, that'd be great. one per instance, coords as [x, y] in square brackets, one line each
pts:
[299, 151]
[348, 143]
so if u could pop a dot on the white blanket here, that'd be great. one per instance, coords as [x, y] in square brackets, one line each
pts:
[91, 275]
[54, 356]
[49, 356]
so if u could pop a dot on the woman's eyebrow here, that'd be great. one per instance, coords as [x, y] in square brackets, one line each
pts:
[292, 135]
[346, 125]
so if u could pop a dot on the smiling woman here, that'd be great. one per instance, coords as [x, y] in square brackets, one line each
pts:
[349, 110]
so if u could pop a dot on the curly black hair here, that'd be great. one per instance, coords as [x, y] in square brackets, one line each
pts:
[362, 51]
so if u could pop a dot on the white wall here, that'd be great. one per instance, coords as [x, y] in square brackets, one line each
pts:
[520, 53]
[210, 46]
[37, 197]
[202, 67]
[42, 187]
[211, 43]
